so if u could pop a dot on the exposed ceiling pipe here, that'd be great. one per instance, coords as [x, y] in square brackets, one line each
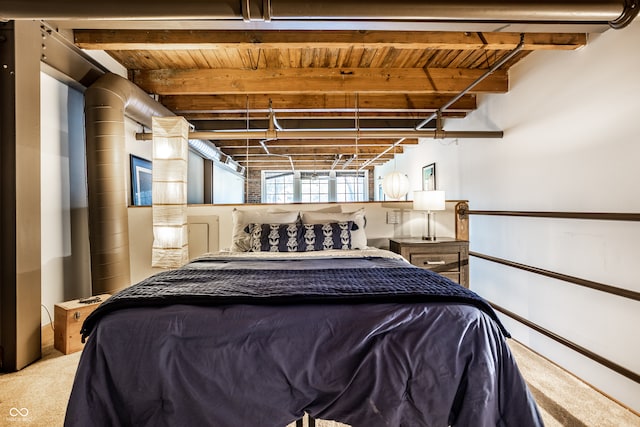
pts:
[615, 13]
[336, 161]
[452, 10]
[486, 74]
[391, 147]
[349, 160]
[107, 101]
[264, 146]
[439, 133]
[331, 134]
[438, 113]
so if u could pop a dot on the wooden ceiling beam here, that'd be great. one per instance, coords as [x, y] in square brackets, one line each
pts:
[312, 143]
[320, 159]
[311, 163]
[320, 103]
[303, 166]
[318, 151]
[328, 115]
[288, 39]
[318, 81]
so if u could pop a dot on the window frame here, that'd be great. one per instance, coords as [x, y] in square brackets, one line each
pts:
[300, 178]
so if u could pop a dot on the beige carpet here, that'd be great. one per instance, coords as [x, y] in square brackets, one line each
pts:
[563, 399]
[38, 394]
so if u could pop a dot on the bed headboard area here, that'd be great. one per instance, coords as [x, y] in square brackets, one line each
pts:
[211, 226]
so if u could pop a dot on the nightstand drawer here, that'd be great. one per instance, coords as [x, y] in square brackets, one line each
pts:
[436, 262]
[446, 256]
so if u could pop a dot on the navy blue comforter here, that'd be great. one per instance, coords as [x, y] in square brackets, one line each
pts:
[367, 342]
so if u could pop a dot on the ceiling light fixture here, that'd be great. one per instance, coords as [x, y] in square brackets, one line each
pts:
[395, 185]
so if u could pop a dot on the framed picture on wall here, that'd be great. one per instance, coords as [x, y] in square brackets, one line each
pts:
[429, 177]
[140, 181]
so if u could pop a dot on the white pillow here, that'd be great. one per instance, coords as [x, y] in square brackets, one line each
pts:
[240, 239]
[277, 210]
[358, 237]
[331, 209]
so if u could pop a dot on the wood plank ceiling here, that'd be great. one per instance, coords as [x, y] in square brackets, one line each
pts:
[233, 80]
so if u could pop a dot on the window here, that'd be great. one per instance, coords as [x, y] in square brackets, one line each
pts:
[277, 187]
[314, 187]
[350, 186]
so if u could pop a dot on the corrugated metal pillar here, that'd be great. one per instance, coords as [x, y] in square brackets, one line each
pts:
[107, 102]
[107, 164]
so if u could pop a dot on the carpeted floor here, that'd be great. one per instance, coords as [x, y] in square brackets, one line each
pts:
[563, 399]
[38, 394]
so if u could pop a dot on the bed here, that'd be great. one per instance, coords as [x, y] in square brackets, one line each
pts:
[261, 338]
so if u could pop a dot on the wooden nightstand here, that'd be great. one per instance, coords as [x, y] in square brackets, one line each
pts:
[446, 256]
[68, 318]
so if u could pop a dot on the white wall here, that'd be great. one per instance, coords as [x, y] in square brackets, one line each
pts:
[444, 153]
[64, 218]
[228, 186]
[571, 143]
[195, 179]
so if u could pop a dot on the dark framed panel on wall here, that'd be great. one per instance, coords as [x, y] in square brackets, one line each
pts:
[140, 181]
[429, 177]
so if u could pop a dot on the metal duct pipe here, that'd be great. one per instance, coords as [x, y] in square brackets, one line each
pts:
[122, 9]
[486, 74]
[534, 11]
[332, 134]
[107, 101]
[617, 13]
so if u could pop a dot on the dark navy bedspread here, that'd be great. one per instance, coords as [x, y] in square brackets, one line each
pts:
[237, 346]
[260, 286]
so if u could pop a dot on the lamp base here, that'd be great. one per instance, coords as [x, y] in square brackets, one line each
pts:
[430, 226]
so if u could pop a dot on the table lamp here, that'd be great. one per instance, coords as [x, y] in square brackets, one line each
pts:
[429, 201]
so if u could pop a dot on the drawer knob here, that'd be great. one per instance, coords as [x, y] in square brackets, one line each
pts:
[434, 262]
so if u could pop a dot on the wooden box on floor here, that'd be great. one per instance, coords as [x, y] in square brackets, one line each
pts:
[68, 319]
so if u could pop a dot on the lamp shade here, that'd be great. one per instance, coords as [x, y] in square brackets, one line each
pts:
[395, 185]
[428, 200]
[169, 186]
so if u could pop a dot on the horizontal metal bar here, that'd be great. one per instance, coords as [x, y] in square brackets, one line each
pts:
[583, 351]
[608, 216]
[613, 290]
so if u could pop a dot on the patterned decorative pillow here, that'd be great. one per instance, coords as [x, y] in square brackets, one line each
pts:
[275, 237]
[241, 241]
[330, 235]
[358, 235]
[297, 237]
